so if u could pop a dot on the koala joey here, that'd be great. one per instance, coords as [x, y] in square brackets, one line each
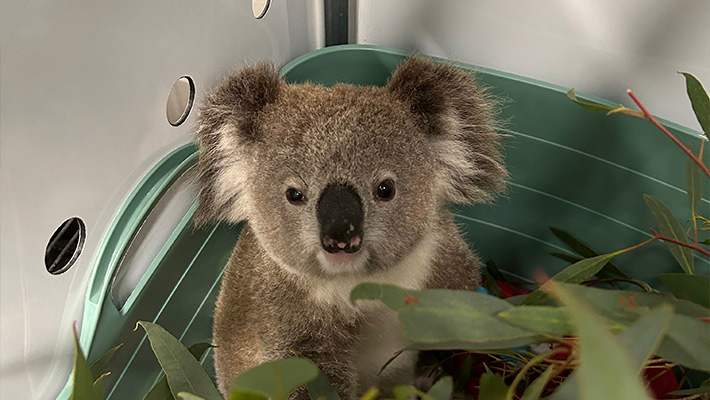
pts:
[340, 185]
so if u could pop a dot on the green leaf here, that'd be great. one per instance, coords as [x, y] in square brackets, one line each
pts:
[407, 392]
[605, 368]
[587, 252]
[184, 373]
[275, 379]
[436, 317]
[669, 227]
[699, 100]
[82, 379]
[644, 336]
[100, 366]
[704, 388]
[442, 389]
[687, 342]
[321, 388]
[542, 319]
[687, 339]
[465, 373]
[575, 273]
[568, 390]
[100, 379]
[189, 396]
[694, 183]
[464, 325]
[566, 257]
[491, 286]
[694, 288]
[623, 306]
[601, 107]
[161, 389]
[534, 390]
[492, 387]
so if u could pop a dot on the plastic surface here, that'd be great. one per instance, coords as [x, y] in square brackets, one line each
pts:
[84, 87]
[571, 168]
[601, 47]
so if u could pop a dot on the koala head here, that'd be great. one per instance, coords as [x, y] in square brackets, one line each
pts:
[345, 179]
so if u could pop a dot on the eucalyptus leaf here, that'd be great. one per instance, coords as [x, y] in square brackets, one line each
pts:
[443, 389]
[398, 298]
[624, 305]
[568, 390]
[83, 387]
[587, 252]
[687, 338]
[643, 337]
[100, 379]
[671, 228]
[437, 317]
[407, 392]
[492, 387]
[566, 257]
[183, 372]
[534, 390]
[161, 389]
[321, 389]
[189, 396]
[100, 366]
[542, 319]
[464, 325]
[687, 342]
[275, 379]
[601, 107]
[694, 288]
[704, 388]
[699, 100]
[575, 273]
[606, 370]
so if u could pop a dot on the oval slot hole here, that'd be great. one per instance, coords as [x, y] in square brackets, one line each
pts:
[152, 236]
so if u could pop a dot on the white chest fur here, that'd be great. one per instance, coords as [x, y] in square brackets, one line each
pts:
[382, 334]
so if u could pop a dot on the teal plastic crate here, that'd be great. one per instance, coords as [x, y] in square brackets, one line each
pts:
[571, 168]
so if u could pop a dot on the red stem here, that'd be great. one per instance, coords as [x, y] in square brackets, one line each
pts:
[690, 246]
[670, 135]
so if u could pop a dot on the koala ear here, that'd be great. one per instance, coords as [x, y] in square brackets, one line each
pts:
[458, 117]
[227, 129]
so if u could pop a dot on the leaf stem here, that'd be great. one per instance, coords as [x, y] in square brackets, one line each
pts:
[533, 361]
[695, 222]
[679, 243]
[670, 135]
[636, 246]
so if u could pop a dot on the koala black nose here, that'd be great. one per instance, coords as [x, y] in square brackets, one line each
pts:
[339, 212]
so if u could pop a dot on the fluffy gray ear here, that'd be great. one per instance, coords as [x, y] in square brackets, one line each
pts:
[459, 119]
[228, 127]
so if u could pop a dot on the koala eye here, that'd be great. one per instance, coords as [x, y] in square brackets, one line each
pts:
[294, 196]
[385, 190]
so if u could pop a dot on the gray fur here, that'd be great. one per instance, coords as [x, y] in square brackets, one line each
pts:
[430, 129]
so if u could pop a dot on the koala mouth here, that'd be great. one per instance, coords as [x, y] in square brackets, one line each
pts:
[333, 246]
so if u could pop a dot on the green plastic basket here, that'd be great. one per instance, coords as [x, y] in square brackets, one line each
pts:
[571, 168]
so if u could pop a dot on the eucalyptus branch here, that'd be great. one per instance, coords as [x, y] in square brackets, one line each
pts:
[668, 133]
[658, 236]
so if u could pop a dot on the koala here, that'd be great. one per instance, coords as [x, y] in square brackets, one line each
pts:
[340, 185]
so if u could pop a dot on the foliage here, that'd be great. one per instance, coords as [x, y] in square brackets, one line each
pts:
[566, 339]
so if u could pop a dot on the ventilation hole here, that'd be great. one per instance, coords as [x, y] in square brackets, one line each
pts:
[260, 7]
[65, 246]
[180, 100]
